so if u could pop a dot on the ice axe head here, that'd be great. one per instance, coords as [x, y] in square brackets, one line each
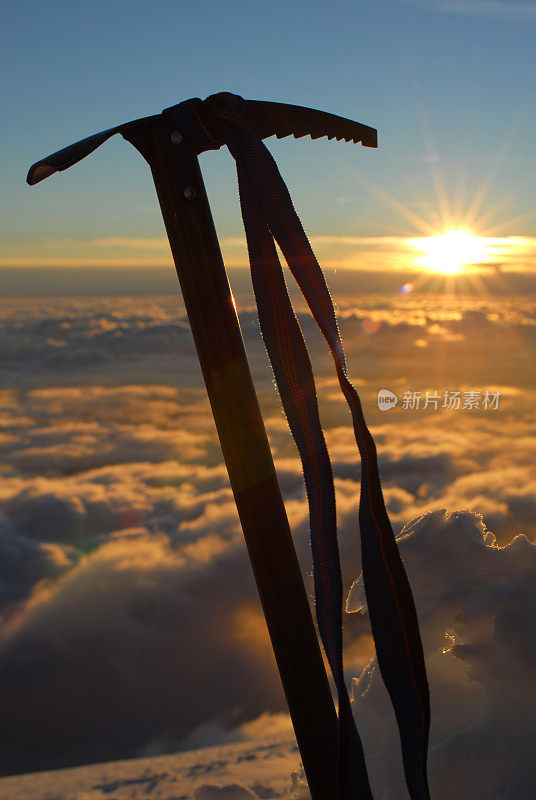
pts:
[267, 119]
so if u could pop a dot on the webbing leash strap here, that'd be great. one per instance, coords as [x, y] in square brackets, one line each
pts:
[269, 215]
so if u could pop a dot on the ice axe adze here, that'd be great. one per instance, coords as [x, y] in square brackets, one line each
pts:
[172, 157]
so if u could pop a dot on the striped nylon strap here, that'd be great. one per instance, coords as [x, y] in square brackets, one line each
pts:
[269, 215]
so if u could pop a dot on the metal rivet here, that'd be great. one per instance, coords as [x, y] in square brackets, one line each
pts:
[176, 137]
[189, 193]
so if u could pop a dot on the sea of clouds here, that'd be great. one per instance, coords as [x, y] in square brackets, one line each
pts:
[129, 620]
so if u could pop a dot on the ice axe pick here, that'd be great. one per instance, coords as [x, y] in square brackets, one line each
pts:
[172, 157]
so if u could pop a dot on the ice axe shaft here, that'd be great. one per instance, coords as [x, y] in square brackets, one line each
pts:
[218, 339]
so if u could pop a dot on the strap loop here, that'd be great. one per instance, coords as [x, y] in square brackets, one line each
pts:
[269, 215]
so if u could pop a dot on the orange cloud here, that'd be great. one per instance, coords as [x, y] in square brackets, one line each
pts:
[342, 251]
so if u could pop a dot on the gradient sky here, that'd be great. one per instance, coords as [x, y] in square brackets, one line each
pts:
[448, 83]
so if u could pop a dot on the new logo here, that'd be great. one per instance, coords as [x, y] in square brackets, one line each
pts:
[386, 400]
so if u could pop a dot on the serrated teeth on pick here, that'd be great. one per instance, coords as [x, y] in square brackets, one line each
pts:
[282, 120]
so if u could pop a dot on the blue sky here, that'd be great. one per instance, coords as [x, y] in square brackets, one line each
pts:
[449, 85]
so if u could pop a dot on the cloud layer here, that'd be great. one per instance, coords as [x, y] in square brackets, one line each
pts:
[129, 619]
[499, 9]
[476, 604]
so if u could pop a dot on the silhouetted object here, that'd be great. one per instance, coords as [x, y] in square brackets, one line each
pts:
[170, 142]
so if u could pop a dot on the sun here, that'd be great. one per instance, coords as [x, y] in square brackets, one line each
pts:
[450, 253]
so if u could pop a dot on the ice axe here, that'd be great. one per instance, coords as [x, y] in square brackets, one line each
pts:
[170, 142]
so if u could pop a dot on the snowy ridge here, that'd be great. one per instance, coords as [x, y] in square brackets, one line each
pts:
[244, 771]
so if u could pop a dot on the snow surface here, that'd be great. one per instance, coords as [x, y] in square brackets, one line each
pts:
[242, 771]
